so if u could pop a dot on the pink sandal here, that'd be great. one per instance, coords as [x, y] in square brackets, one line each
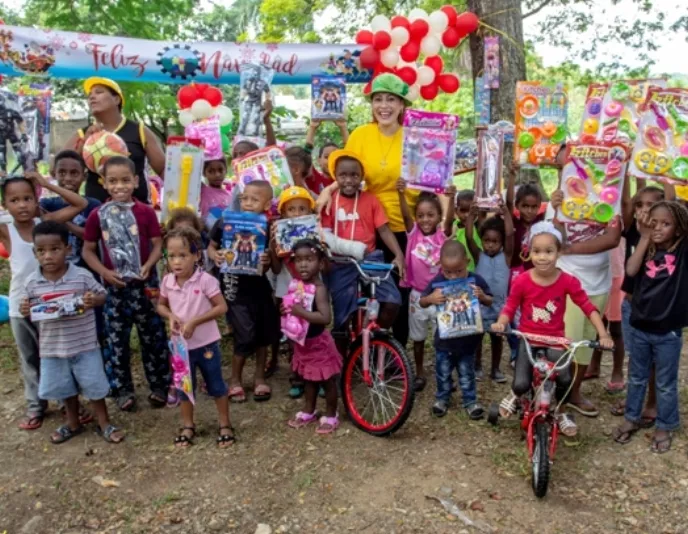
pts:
[237, 394]
[303, 419]
[327, 425]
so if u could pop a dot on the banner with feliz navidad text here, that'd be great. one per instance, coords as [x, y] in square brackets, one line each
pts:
[52, 53]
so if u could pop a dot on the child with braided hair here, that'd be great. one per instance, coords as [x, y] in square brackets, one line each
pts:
[659, 312]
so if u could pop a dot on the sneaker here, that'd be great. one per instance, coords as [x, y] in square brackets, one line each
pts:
[475, 411]
[439, 409]
[479, 375]
[498, 376]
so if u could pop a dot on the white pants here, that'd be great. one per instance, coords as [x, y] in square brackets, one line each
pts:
[420, 318]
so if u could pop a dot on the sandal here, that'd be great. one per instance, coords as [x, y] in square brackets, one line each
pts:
[327, 425]
[262, 393]
[619, 408]
[507, 407]
[85, 417]
[567, 425]
[173, 398]
[126, 403]
[107, 434]
[182, 440]
[475, 411]
[590, 411]
[64, 433]
[237, 394]
[32, 421]
[658, 446]
[225, 440]
[156, 400]
[614, 387]
[303, 419]
[419, 383]
[624, 436]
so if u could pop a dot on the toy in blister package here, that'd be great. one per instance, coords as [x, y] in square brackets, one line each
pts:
[621, 108]
[328, 97]
[481, 102]
[208, 131]
[181, 366]
[296, 328]
[592, 111]
[255, 82]
[288, 232]
[121, 236]
[491, 62]
[428, 150]
[488, 175]
[268, 164]
[12, 131]
[540, 126]
[661, 150]
[592, 180]
[56, 305]
[466, 157]
[244, 236]
[34, 102]
[460, 314]
[183, 174]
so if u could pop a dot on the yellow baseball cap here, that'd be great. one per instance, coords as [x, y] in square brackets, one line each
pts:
[293, 193]
[107, 82]
[343, 153]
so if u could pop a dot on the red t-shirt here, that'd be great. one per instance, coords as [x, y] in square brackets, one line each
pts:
[148, 227]
[357, 220]
[543, 307]
[317, 181]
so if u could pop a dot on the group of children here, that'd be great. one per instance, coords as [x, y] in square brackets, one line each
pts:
[524, 271]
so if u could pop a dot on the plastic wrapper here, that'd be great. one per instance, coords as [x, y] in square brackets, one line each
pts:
[488, 176]
[34, 101]
[56, 305]
[14, 139]
[288, 232]
[255, 82]
[296, 328]
[466, 157]
[481, 102]
[121, 237]
[460, 315]
[592, 111]
[181, 367]
[244, 237]
[328, 97]
[661, 150]
[429, 149]
[208, 130]
[491, 61]
[183, 174]
[268, 164]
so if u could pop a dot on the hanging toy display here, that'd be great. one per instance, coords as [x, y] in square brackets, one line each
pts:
[491, 62]
[255, 83]
[592, 180]
[296, 328]
[481, 102]
[540, 126]
[34, 103]
[592, 111]
[488, 175]
[661, 150]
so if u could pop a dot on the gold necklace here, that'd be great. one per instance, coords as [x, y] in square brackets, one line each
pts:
[383, 161]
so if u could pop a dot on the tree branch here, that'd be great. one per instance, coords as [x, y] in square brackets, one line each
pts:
[536, 10]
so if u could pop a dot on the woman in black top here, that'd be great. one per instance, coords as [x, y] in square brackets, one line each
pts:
[105, 100]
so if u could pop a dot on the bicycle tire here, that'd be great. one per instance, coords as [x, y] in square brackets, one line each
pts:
[352, 367]
[540, 462]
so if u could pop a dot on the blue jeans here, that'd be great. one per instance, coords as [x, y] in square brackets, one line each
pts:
[664, 351]
[626, 327]
[464, 363]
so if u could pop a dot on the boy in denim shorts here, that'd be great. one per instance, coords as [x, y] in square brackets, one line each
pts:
[71, 362]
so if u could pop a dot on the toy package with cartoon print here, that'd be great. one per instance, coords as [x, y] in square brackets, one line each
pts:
[56, 305]
[328, 97]
[289, 231]
[255, 81]
[296, 328]
[244, 236]
[488, 176]
[181, 366]
[121, 237]
[460, 315]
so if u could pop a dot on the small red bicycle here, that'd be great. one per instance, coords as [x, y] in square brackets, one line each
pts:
[539, 406]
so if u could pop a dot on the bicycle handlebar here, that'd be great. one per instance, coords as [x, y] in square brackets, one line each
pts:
[368, 266]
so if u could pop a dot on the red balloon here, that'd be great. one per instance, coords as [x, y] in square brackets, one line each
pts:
[213, 95]
[408, 74]
[364, 37]
[429, 92]
[200, 88]
[3, 252]
[467, 23]
[369, 58]
[186, 96]
[451, 14]
[451, 37]
[419, 29]
[366, 90]
[449, 83]
[435, 63]
[382, 40]
[410, 51]
[400, 22]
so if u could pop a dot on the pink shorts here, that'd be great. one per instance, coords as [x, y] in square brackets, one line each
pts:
[616, 296]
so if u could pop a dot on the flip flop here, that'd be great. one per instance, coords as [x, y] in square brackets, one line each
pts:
[156, 400]
[614, 387]
[618, 435]
[619, 408]
[262, 393]
[64, 433]
[655, 447]
[237, 394]
[126, 403]
[32, 421]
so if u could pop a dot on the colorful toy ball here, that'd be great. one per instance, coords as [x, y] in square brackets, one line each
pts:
[100, 147]
[4, 309]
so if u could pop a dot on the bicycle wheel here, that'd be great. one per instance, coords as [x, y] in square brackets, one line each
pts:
[382, 407]
[540, 461]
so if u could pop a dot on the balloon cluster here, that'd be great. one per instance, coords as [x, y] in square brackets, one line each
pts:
[199, 101]
[394, 45]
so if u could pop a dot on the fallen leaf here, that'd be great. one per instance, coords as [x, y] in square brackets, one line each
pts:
[106, 483]
[495, 496]
[477, 506]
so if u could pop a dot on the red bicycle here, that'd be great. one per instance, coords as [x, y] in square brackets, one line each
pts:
[377, 378]
[539, 406]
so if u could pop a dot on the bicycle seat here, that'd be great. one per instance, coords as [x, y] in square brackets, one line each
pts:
[375, 266]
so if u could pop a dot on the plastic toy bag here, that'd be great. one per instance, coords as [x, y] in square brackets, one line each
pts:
[540, 125]
[255, 81]
[661, 150]
[621, 108]
[466, 156]
[481, 102]
[491, 62]
[181, 367]
[429, 149]
[34, 102]
[328, 97]
[121, 237]
[56, 305]
[207, 130]
[460, 315]
[244, 236]
[183, 174]
[296, 328]
[592, 111]
[592, 180]
[288, 232]
[488, 175]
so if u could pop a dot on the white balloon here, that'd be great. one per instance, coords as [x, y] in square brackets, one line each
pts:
[418, 14]
[425, 75]
[400, 36]
[185, 117]
[430, 46]
[389, 58]
[438, 21]
[380, 23]
[225, 114]
[413, 93]
[201, 109]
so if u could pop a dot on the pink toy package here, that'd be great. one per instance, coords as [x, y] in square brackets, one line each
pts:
[429, 149]
[209, 131]
[296, 328]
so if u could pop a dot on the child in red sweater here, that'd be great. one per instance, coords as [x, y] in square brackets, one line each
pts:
[540, 294]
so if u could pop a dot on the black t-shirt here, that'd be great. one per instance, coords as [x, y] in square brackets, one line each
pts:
[632, 238]
[660, 294]
[458, 344]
